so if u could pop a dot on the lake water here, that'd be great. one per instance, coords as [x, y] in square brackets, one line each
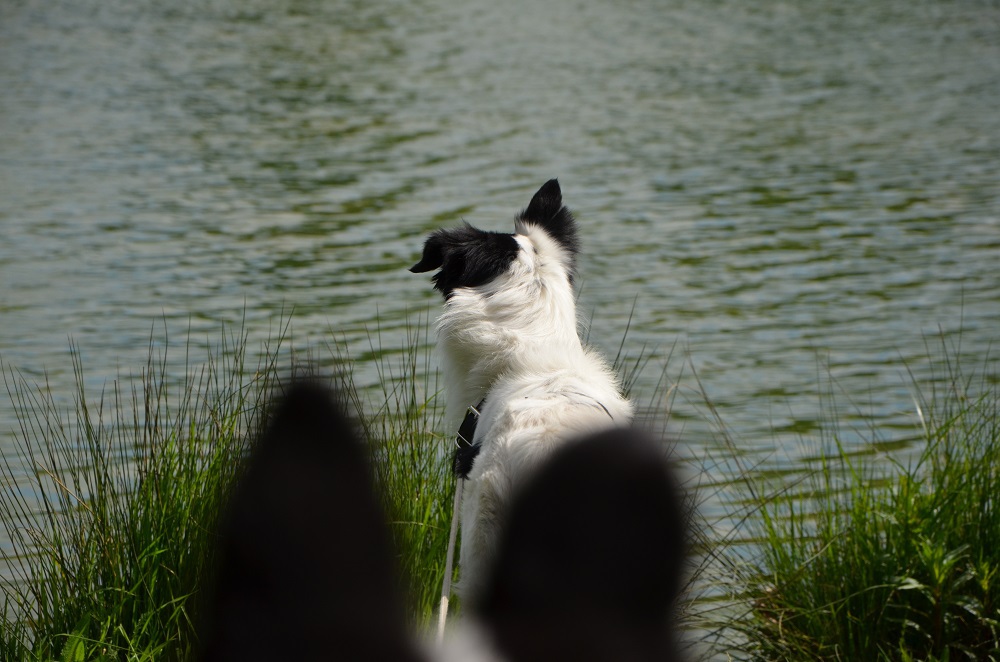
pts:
[792, 195]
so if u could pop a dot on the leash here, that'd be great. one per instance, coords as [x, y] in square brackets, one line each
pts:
[446, 587]
[465, 453]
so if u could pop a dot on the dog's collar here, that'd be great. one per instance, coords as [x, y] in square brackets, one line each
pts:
[467, 430]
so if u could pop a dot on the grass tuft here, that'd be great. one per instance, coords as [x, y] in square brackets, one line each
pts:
[112, 527]
[897, 564]
[110, 506]
[403, 421]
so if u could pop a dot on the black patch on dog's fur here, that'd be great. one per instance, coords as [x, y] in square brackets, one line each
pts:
[466, 257]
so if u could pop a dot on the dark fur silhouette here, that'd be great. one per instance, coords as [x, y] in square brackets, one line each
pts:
[306, 565]
[590, 563]
[589, 567]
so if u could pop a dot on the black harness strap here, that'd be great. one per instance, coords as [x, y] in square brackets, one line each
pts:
[466, 451]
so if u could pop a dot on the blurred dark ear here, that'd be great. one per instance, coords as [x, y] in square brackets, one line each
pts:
[433, 256]
[591, 562]
[305, 569]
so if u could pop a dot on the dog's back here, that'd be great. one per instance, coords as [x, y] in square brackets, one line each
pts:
[509, 342]
[524, 420]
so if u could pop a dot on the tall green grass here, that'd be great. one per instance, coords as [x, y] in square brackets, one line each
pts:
[402, 421]
[885, 560]
[112, 527]
[113, 524]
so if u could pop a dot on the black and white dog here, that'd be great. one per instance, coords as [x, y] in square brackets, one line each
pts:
[573, 551]
[511, 348]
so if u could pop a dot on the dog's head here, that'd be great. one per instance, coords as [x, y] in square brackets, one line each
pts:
[543, 247]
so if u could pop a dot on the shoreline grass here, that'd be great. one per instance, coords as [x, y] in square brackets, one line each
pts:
[883, 561]
[110, 504]
[113, 526]
[112, 532]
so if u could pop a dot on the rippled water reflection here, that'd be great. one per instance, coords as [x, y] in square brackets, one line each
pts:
[787, 190]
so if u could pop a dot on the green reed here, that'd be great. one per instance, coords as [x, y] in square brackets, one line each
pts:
[883, 560]
[112, 525]
[402, 419]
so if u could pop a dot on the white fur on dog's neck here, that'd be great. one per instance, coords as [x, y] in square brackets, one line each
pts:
[521, 321]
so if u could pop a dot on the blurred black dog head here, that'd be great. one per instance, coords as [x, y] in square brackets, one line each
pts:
[591, 560]
[589, 568]
[305, 568]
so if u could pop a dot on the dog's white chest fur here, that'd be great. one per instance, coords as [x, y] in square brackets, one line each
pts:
[508, 337]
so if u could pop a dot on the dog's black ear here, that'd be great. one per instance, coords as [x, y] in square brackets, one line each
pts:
[545, 204]
[433, 256]
[305, 566]
[591, 560]
[546, 210]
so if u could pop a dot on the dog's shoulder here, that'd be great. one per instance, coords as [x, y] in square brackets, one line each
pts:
[525, 417]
